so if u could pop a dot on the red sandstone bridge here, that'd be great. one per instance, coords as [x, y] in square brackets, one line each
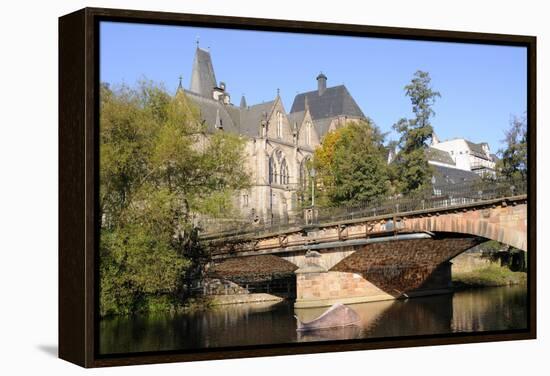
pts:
[400, 247]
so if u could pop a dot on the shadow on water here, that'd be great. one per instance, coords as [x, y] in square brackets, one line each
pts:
[499, 308]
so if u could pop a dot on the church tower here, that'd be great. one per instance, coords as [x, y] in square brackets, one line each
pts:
[203, 79]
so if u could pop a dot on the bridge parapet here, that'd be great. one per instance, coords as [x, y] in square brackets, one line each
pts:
[446, 198]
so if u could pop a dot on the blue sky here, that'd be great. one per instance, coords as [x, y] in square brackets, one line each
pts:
[481, 86]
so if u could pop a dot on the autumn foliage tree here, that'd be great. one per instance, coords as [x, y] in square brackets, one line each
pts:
[351, 165]
[159, 171]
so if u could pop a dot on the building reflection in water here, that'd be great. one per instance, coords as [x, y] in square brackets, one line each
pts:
[486, 309]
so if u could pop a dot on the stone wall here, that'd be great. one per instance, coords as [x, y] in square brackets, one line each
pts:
[327, 288]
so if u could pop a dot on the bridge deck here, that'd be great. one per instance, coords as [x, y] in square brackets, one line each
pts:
[258, 234]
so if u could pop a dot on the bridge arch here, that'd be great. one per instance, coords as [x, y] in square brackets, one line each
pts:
[504, 223]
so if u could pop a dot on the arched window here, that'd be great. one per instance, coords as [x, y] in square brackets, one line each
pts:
[279, 124]
[278, 168]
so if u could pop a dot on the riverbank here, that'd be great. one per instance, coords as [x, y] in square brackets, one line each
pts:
[488, 276]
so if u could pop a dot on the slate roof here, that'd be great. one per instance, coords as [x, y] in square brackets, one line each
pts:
[296, 118]
[252, 116]
[476, 149]
[440, 156]
[322, 126]
[335, 101]
[243, 121]
[203, 79]
[211, 110]
[445, 177]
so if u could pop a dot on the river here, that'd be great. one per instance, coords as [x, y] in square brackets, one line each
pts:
[487, 309]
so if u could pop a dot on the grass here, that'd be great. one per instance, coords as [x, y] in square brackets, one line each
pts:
[492, 275]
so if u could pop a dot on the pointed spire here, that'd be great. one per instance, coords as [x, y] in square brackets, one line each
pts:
[243, 102]
[180, 86]
[278, 92]
[203, 79]
[306, 104]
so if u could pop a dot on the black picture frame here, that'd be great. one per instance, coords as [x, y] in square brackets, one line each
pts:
[78, 183]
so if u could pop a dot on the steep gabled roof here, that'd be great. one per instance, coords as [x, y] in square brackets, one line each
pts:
[476, 149]
[296, 118]
[212, 111]
[322, 126]
[335, 101]
[252, 116]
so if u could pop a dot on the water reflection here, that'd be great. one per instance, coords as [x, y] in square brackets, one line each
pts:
[500, 308]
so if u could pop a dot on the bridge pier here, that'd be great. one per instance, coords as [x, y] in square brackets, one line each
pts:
[382, 271]
[318, 287]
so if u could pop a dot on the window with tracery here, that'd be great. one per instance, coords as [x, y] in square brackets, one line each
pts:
[279, 172]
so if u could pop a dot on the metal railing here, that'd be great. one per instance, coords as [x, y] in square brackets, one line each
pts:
[439, 197]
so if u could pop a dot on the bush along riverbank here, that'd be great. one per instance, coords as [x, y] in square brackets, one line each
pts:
[491, 275]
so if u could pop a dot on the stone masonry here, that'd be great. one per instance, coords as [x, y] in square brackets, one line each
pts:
[380, 271]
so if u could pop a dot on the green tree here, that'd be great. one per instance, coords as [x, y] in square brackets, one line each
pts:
[351, 165]
[411, 164]
[159, 172]
[513, 162]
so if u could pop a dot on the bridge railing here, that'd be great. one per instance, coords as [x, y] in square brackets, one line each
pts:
[441, 196]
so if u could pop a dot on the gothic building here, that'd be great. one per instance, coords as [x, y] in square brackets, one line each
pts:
[278, 143]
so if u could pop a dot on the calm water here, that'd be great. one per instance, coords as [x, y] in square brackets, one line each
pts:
[498, 308]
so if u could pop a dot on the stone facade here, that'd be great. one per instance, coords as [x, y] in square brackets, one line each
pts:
[327, 288]
[278, 143]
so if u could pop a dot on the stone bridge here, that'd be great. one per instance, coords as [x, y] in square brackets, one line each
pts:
[380, 257]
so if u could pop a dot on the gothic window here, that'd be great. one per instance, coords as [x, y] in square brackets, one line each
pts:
[278, 169]
[279, 124]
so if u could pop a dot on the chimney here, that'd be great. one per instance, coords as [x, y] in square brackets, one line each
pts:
[321, 83]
